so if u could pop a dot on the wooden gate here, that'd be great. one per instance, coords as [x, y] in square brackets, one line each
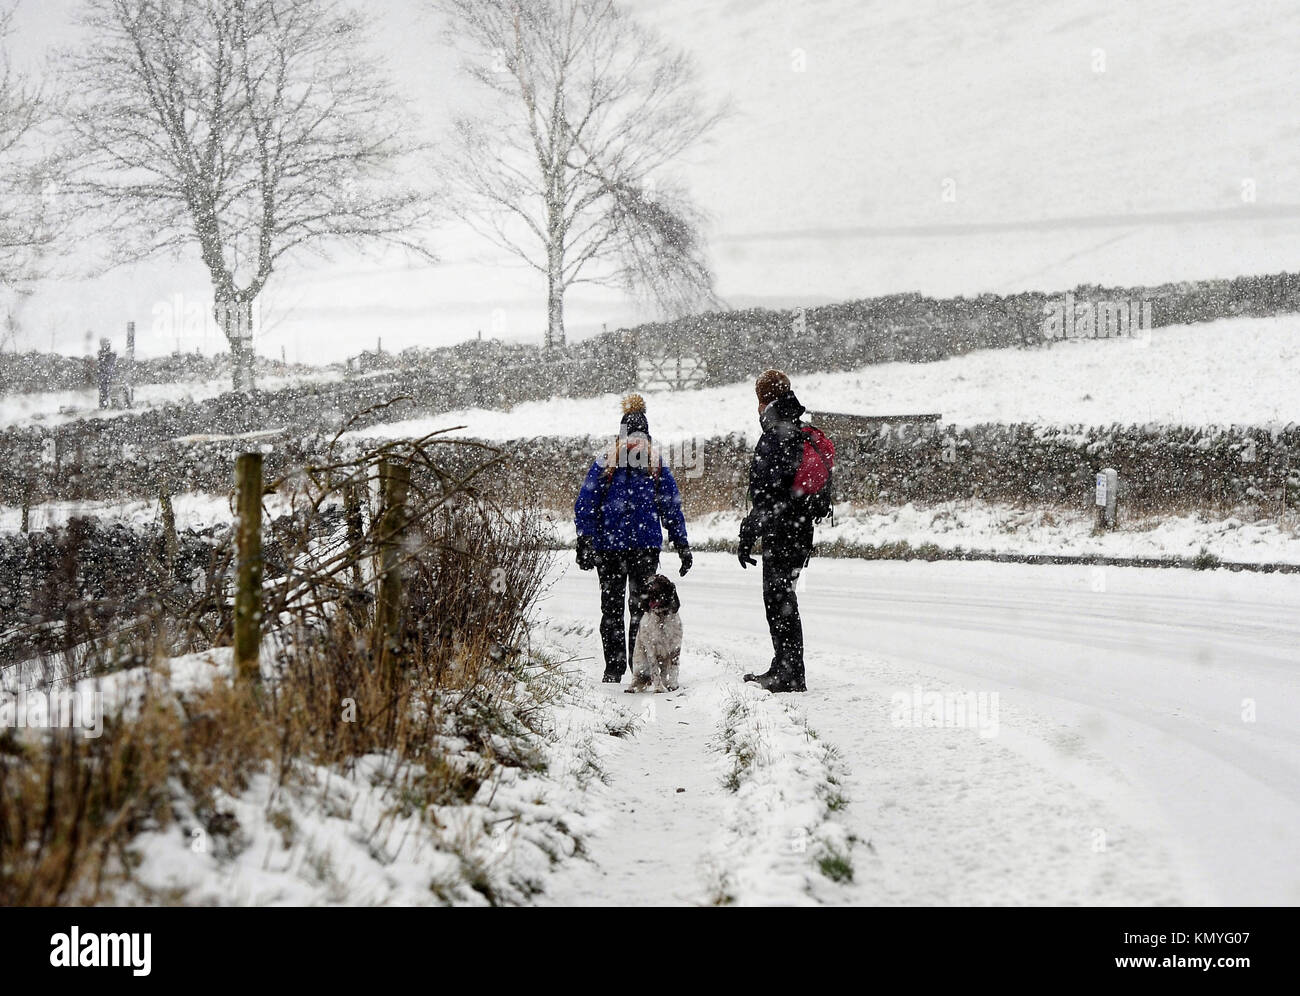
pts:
[670, 372]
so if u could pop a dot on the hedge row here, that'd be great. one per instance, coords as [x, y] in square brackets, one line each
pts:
[1160, 467]
[896, 327]
[915, 328]
[735, 344]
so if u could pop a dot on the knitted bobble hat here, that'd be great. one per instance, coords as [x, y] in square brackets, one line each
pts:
[634, 419]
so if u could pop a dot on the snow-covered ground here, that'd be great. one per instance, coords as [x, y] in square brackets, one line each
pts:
[983, 527]
[991, 527]
[1242, 371]
[193, 510]
[325, 836]
[978, 734]
[1137, 744]
[723, 796]
[61, 407]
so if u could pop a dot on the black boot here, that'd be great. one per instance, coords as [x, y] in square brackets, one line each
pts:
[774, 681]
[779, 680]
[612, 678]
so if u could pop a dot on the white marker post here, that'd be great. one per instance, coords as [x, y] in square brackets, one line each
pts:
[1107, 498]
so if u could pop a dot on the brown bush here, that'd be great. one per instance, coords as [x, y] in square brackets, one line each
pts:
[70, 806]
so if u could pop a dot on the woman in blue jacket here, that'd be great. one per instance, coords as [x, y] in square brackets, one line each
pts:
[625, 502]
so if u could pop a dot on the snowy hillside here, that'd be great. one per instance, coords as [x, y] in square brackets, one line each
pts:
[827, 182]
[60, 407]
[1237, 371]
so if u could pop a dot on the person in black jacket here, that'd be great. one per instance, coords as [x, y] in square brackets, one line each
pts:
[784, 524]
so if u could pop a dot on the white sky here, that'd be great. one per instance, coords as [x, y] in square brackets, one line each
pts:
[1085, 142]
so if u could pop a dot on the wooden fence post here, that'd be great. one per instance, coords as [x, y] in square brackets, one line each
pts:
[394, 483]
[170, 544]
[1286, 480]
[248, 549]
[352, 515]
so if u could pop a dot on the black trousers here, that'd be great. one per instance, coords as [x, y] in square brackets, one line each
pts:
[782, 562]
[623, 575]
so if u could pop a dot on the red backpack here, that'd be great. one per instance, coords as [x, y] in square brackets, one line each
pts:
[814, 474]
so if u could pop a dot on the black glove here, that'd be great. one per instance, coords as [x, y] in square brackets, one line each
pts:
[586, 553]
[687, 559]
[746, 546]
[743, 553]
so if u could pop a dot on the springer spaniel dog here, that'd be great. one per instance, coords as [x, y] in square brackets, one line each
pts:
[658, 641]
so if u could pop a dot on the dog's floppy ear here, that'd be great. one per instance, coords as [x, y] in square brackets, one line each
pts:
[672, 589]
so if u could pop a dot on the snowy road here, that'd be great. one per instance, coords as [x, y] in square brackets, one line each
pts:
[1144, 743]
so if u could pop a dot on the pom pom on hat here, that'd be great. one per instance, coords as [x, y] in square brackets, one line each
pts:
[634, 419]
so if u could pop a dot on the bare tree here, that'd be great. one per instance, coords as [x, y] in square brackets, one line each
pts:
[565, 170]
[249, 128]
[28, 187]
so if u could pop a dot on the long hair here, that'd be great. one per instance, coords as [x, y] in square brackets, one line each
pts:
[633, 450]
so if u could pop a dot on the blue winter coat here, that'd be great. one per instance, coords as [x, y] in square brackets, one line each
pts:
[627, 510]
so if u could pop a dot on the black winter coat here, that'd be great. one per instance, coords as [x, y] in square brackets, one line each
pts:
[776, 515]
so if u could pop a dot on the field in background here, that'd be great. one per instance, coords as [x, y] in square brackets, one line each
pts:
[1237, 371]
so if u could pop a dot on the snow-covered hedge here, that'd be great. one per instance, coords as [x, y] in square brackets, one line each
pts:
[1161, 468]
